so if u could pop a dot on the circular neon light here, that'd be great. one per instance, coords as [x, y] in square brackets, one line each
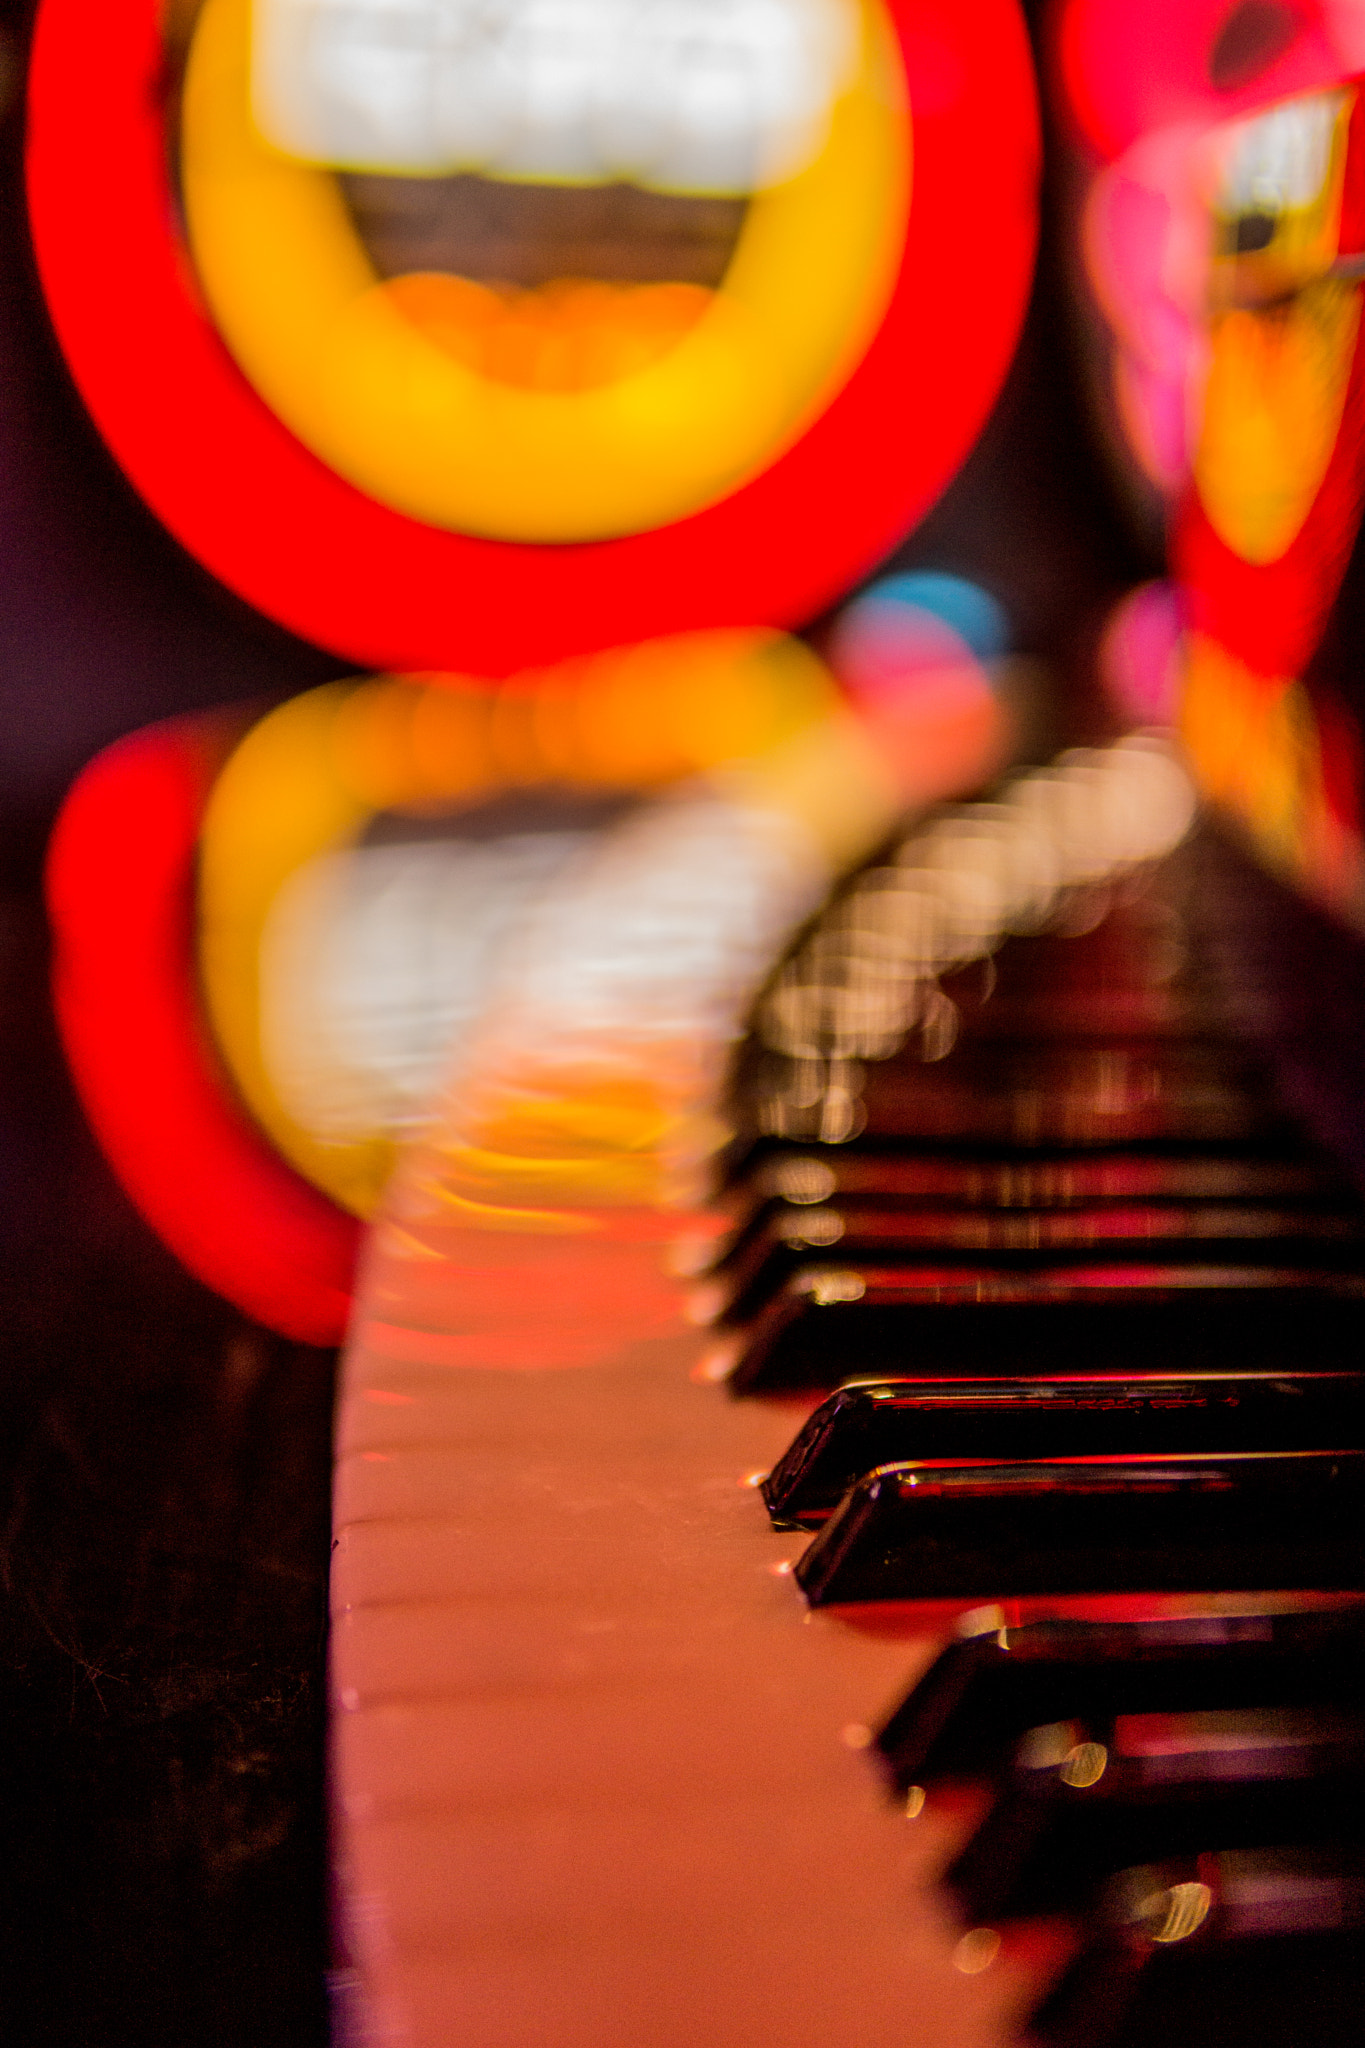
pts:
[275, 524]
[120, 892]
[308, 777]
[341, 360]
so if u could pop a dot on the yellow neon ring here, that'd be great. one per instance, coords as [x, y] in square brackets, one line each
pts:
[310, 775]
[317, 334]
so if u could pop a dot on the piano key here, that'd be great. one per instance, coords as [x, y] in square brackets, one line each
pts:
[815, 1175]
[1174, 1523]
[969, 1710]
[1236, 1234]
[493, 1889]
[1252, 1944]
[1075, 1808]
[1036, 1094]
[601, 1743]
[1045, 1095]
[884, 1423]
[1033, 987]
[577, 1706]
[834, 1321]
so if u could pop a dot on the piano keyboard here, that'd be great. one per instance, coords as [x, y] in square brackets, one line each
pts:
[1034, 1697]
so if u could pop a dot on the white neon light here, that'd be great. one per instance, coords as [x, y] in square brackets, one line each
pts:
[706, 96]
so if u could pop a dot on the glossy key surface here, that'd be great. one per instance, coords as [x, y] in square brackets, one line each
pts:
[881, 1423]
[1026, 1178]
[913, 1532]
[835, 1320]
[1227, 1947]
[1020, 1240]
[965, 1716]
[1085, 1800]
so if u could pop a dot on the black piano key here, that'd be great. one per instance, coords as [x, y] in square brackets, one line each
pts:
[889, 1422]
[1034, 1093]
[1076, 1808]
[1254, 1520]
[1043, 1093]
[965, 1716]
[833, 1322]
[1028, 1180]
[1227, 1948]
[1018, 1239]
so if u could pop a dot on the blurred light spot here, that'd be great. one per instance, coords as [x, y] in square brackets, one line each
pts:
[803, 1180]
[1175, 1914]
[827, 1290]
[716, 1367]
[981, 1621]
[689, 1256]
[972, 613]
[910, 653]
[1043, 1748]
[818, 1227]
[976, 1951]
[1140, 654]
[704, 1305]
[1084, 1765]
[869, 974]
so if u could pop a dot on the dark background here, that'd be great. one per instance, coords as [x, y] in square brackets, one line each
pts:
[164, 1464]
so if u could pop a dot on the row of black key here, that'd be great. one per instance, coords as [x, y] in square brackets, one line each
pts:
[1103, 1312]
[907, 1261]
[1188, 1791]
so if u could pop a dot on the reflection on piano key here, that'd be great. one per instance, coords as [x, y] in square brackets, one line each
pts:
[834, 1322]
[1075, 1810]
[1097, 1177]
[1026, 1180]
[864, 1426]
[1225, 1947]
[868, 975]
[1115, 1234]
[1174, 1523]
[967, 1714]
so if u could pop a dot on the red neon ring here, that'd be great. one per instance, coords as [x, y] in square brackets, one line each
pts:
[120, 892]
[277, 526]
